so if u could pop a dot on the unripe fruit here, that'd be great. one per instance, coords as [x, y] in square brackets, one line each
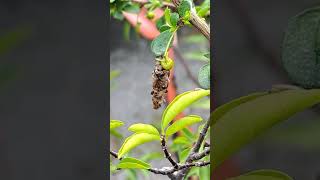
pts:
[167, 63]
[150, 15]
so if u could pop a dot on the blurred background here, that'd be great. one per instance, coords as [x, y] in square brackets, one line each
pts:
[53, 61]
[247, 40]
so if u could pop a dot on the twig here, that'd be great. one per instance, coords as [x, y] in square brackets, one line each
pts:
[171, 170]
[195, 149]
[114, 154]
[186, 67]
[167, 154]
[166, 4]
[200, 155]
[198, 22]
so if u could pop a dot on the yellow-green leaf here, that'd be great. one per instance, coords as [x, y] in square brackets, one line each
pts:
[263, 174]
[136, 140]
[115, 124]
[243, 123]
[132, 163]
[182, 123]
[179, 104]
[143, 128]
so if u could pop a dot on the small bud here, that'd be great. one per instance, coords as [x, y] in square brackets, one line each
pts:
[150, 15]
[167, 63]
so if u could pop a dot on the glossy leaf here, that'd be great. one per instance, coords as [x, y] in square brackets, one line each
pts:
[115, 124]
[136, 140]
[159, 44]
[264, 174]
[144, 128]
[182, 123]
[241, 124]
[132, 163]
[181, 102]
[204, 76]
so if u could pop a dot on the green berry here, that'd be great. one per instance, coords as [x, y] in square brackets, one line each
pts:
[150, 15]
[167, 63]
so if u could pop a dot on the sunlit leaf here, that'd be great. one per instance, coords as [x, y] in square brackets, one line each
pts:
[264, 174]
[136, 140]
[143, 128]
[115, 124]
[181, 102]
[241, 124]
[132, 163]
[182, 123]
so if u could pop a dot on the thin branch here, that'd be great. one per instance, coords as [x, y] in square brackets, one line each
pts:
[114, 154]
[200, 155]
[171, 170]
[195, 149]
[186, 67]
[167, 154]
[166, 4]
[198, 22]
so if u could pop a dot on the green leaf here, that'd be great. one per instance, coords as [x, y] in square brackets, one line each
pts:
[167, 17]
[136, 140]
[160, 43]
[184, 154]
[204, 8]
[264, 174]
[222, 110]
[132, 163]
[179, 103]
[241, 124]
[174, 18]
[132, 8]
[207, 55]
[115, 133]
[204, 76]
[184, 6]
[161, 22]
[164, 28]
[301, 48]
[201, 104]
[182, 140]
[115, 124]
[111, 1]
[204, 173]
[144, 128]
[194, 171]
[188, 134]
[182, 123]
[151, 156]
[118, 15]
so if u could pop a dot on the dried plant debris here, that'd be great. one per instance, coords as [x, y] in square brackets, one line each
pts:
[160, 84]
